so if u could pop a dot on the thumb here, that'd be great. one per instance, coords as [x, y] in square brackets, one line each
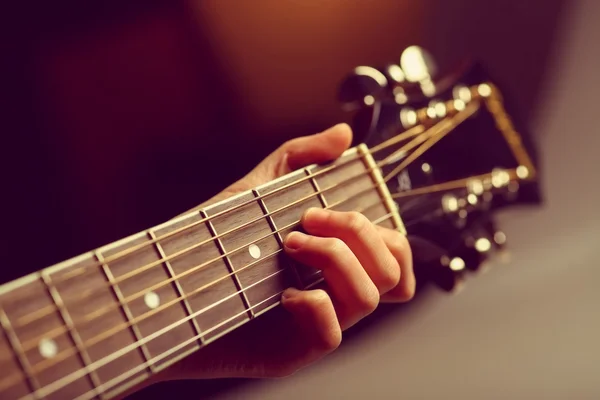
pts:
[293, 154]
[313, 149]
[321, 147]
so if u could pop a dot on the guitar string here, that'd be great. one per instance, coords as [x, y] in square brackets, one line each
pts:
[50, 308]
[37, 368]
[154, 360]
[130, 250]
[115, 381]
[150, 338]
[133, 297]
[32, 343]
[31, 317]
[261, 218]
[87, 344]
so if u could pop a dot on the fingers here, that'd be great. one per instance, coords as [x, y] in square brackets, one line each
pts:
[362, 237]
[400, 248]
[321, 147]
[355, 295]
[315, 314]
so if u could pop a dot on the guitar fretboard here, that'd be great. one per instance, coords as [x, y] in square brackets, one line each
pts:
[104, 321]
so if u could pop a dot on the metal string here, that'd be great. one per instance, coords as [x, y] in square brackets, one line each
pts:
[117, 354]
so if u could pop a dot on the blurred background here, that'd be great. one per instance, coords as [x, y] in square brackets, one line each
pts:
[120, 115]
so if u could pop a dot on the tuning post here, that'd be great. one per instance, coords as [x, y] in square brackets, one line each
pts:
[482, 245]
[450, 273]
[450, 203]
[408, 117]
[400, 96]
[369, 100]
[475, 187]
[472, 199]
[436, 109]
[463, 93]
[500, 238]
[500, 178]
[394, 73]
[484, 90]
[522, 172]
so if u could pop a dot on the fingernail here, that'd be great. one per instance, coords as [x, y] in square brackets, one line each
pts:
[289, 293]
[295, 240]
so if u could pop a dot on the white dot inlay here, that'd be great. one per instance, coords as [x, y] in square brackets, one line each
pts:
[152, 300]
[48, 348]
[254, 251]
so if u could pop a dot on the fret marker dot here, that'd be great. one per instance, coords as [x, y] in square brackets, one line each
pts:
[48, 348]
[254, 251]
[152, 300]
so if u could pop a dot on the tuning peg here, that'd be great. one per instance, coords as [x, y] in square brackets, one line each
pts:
[362, 87]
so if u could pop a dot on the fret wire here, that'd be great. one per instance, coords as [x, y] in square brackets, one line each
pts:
[156, 359]
[124, 307]
[14, 342]
[92, 316]
[66, 317]
[315, 185]
[228, 263]
[172, 275]
[274, 230]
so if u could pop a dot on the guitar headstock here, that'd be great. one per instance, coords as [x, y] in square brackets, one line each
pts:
[451, 152]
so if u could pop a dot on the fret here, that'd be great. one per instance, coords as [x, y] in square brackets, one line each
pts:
[176, 284]
[255, 250]
[227, 259]
[74, 335]
[283, 214]
[316, 187]
[150, 297]
[286, 263]
[17, 379]
[47, 348]
[203, 274]
[124, 306]
[97, 315]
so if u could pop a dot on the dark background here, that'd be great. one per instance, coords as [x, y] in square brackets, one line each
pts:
[118, 115]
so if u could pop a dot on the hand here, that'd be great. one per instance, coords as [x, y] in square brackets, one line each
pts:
[362, 264]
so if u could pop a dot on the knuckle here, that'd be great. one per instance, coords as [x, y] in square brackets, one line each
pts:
[330, 340]
[390, 278]
[409, 292]
[357, 222]
[369, 300]
[335, 246]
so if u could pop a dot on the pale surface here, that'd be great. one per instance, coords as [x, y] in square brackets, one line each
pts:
[529, 330]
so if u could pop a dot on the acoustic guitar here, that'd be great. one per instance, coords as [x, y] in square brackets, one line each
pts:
[438, 157]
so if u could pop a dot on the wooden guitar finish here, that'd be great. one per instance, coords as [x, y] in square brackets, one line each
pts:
[437, 161]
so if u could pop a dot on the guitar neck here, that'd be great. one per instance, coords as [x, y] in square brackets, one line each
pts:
[102, 322]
